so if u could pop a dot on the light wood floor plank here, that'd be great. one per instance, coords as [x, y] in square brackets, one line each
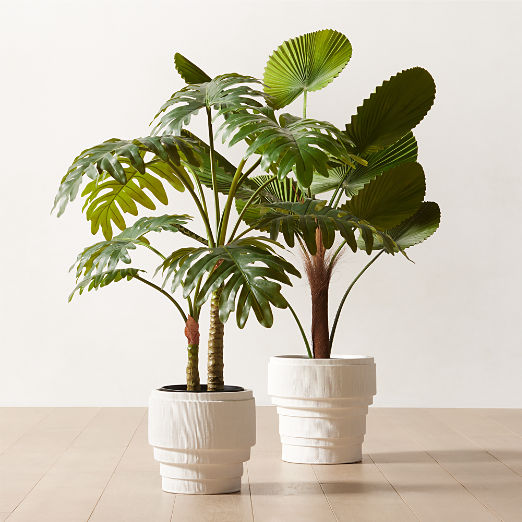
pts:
[70, 489]
[429, 490]
[284, 492]
[360, 493]
[234, 507]
[136, 478]
[27, 460]
[15, 422]
[485, 477]
[510, 418]
[498, 440]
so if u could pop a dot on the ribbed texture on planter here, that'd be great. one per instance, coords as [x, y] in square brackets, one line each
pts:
[202, 439]
[322, 406]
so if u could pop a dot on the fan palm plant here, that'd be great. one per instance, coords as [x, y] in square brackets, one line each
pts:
[380, 194]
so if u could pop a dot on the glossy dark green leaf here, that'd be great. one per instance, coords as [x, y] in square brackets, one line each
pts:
[189, 71]
[248, 271]
[225, 93]
[394, 109]
[413, 230]
[391, 197]
[302, 219]
[105, 255]
[306, 63]
[301, 145]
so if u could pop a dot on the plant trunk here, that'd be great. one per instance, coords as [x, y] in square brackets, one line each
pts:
[320, 330]
[192, 334]
[215, 346]
[319, 269]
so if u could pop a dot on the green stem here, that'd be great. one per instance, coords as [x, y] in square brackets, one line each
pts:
[249, 171]
[307, 344]
[228, 205]
[304, 103]
[248, 203]
[337, 252]
[204, 215]
[212, 168]
[166, 294]
[334, 326]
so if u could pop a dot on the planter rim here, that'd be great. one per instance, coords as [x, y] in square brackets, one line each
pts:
[338, 360]
[179, 396]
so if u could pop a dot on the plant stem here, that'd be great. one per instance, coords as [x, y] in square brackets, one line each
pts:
[307, 344]
[228, 205]
[304, 103]
[201, 210]
[337, 252]
[212, 168]
[248, 203]
[193, 368]
[215, 346]
[166, 294]
[249, 171]
[334, 326]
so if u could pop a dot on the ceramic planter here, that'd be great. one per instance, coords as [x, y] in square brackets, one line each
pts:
[322, 406]
[201, 439]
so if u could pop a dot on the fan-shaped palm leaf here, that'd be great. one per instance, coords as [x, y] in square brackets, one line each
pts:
[395, 108]
[227, 92]
[247, 270]
[355, 178]
[306, 63]
[391, 197]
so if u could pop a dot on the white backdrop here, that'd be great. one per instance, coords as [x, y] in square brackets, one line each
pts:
[445, 331]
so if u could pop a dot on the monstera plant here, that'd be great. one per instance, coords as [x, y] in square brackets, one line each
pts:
[238, 275]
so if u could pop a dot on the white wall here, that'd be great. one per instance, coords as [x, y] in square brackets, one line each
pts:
[445, 331]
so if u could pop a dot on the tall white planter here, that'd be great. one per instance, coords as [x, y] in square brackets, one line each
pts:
[201, 439]
[322, 406]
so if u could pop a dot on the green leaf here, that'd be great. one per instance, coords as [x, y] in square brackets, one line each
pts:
[190, 72]
[118, 184]
[105, 255]
[302, 219]
[306, 63]
[354, 178]
[394, 109]
[96, 281]
[248, 271]
[228, 92]
[301, 145]
[391, 197]
[415, 229]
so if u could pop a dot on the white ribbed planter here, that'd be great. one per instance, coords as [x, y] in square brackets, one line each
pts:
[201, 439]
[322, 406]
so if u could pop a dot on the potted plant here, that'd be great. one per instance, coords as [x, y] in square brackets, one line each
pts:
[201, 433]
[322, 400]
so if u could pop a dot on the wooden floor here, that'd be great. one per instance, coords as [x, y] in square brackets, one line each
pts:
[79, 464]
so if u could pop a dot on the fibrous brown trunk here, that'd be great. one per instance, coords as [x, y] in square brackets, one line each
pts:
[319, 270]
[192, 334]
[215, 346]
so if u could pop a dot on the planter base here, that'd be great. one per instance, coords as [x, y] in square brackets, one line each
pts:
[322, 406]
[201, 439]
